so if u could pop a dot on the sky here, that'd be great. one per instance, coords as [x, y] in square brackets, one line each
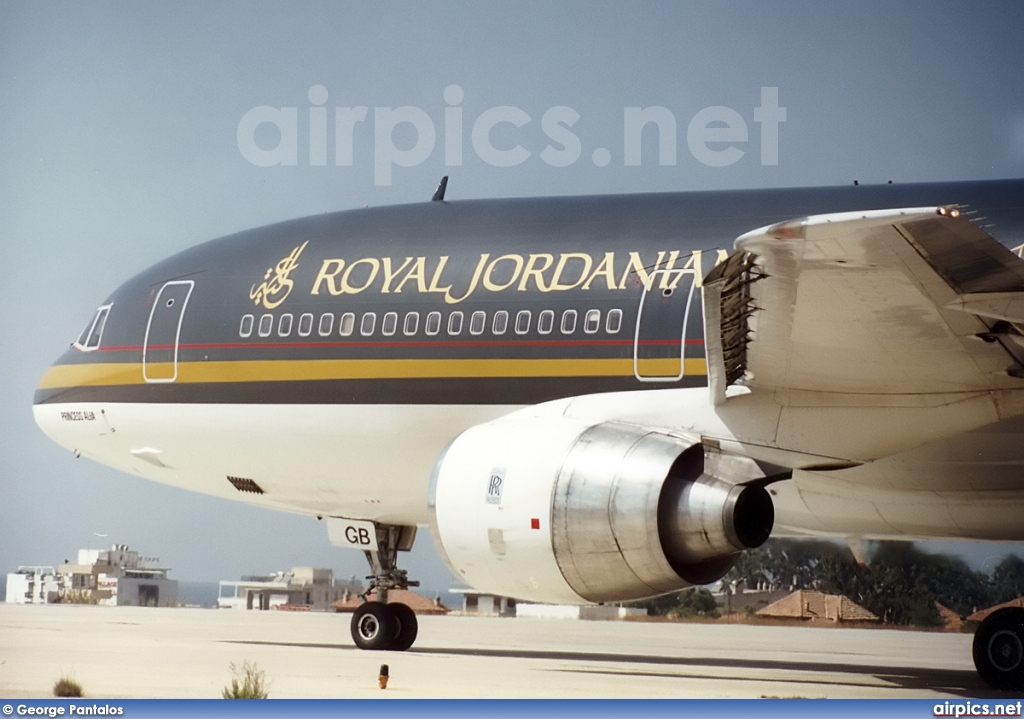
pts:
[130, 131]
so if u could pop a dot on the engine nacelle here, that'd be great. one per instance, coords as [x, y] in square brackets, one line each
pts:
[555, 509]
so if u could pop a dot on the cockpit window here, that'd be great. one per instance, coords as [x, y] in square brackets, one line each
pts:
[92, 335]
[80, 342]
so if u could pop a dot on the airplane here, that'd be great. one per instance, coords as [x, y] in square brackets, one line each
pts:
[585, 399]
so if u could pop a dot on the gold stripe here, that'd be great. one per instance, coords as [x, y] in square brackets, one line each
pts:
[91, 375]
[112, 374]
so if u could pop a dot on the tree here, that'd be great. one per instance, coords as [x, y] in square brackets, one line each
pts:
[900, 584]
[657, 606]
[1008, 579]
[907, 582]
[697, 602]
[793, 564]
[692, 602]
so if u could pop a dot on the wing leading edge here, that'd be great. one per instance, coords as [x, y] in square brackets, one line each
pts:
[904, 301]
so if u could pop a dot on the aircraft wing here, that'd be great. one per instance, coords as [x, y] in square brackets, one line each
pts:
[908, 301]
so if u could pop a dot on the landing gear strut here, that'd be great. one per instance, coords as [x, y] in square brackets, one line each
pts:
[379, 624]
[999, 649]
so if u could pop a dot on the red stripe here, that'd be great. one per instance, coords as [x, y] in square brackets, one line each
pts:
[420, 344]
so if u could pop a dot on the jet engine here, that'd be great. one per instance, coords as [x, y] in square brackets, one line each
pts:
[555, 509]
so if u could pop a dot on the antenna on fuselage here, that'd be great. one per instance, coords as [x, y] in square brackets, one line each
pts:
[439, 192]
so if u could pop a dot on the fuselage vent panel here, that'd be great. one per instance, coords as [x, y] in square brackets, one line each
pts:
[245, 485]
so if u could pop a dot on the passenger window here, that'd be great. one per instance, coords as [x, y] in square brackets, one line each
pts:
[368, 324]
[614, 322]
[245, 328]
[390, 324]
[433, 323]
[500, 323]
[326, 324]
[523, 322]
[592, 321]
[455, 323]
[412, 323]
[284, 327]
[477, 322]
[546, 322]
[266, 325]
[568, 322]
[347, 325]
[305, 324]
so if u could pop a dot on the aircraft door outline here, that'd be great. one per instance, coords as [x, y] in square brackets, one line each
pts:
[662, 298]
[163, 332]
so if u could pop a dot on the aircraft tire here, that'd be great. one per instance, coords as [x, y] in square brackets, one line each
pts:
[408, 627]
[374, 626]
[999, 649]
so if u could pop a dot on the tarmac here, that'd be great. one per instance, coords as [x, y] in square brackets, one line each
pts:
[139, 653]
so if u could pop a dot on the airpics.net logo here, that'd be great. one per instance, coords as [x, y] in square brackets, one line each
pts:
[407, 136]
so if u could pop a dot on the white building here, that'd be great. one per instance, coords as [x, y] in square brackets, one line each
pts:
[34, 585]
[589, 612]
[301, 588]
[484, 604]
[117, 577]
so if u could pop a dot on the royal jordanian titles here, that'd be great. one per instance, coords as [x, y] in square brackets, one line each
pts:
[585, 399]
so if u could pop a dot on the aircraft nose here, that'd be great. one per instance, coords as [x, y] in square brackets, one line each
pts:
[64, 404]
[46, 386]
[67, 408]
[48, 408]
[55, 381]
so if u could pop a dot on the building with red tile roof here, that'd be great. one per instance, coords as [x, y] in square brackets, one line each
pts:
[810, 605]
[951, 621]
[980, 615]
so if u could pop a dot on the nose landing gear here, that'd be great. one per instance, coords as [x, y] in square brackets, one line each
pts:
[379, 624]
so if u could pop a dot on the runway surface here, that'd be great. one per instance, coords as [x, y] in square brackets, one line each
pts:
[132, 652]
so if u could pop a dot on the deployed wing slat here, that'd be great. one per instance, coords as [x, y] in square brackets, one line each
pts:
[873, 303]
[728, 307]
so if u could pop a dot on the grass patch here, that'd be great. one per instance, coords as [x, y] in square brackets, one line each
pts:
[249, 682]
[67, 687]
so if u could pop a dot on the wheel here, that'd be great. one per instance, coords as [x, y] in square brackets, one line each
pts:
[374, 626]
[999, 649]
[407, 627]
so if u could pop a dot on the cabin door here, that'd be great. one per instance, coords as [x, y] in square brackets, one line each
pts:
[659, 344]
[163, 332]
